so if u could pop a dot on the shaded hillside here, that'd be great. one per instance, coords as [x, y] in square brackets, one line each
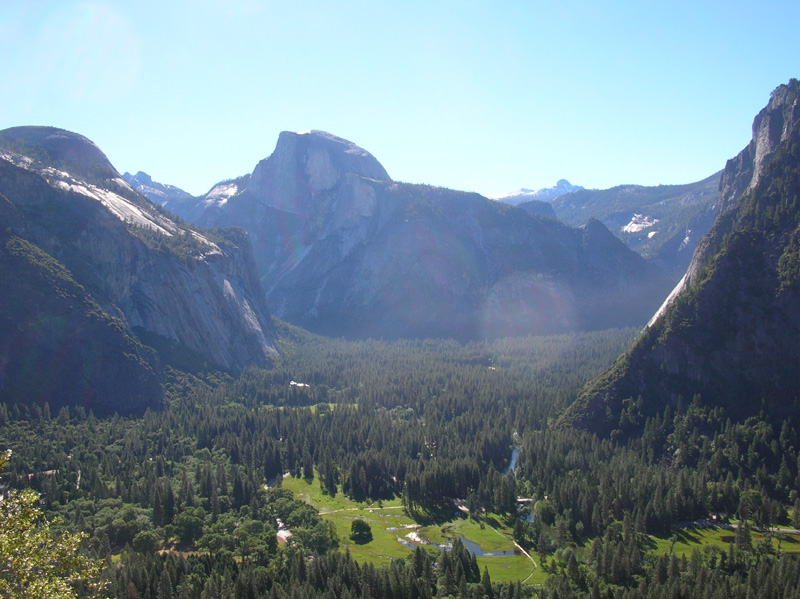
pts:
[131, 271]
[538, 207]
[662, 223]
[731, 333]
[344, 250]
[58, 346]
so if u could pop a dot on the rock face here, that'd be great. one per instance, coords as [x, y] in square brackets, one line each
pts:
[344, 250]
[193, 295]
[730, 332]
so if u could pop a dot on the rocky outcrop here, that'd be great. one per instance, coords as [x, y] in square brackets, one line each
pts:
[50, 147]
[306, 165]
[772, 126]
[730, 333]
[344, 250]
[193, 294]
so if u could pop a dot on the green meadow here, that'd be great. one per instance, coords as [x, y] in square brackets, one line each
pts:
[394, 534]
[685, 540]
[390, 525]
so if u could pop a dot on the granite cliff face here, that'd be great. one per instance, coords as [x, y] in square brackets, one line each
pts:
[191, 294]
[344, 250]
[730, 332]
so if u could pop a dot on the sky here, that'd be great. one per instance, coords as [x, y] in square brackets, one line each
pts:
[476, 96]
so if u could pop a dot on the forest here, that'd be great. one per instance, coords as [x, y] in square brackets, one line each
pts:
[195, 500]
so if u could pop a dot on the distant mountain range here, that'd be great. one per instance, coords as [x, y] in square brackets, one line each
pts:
[662, 223]
[543, 195]
[344, 250]
[729, 335]
[102, 289]
[166, 196]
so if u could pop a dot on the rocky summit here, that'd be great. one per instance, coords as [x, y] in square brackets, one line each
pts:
[729, 334]
[344, 250]
[107, 288]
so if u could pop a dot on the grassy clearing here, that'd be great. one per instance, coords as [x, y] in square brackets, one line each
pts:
[341, 511]
[486, 537]
[389, 524]
[684, 541]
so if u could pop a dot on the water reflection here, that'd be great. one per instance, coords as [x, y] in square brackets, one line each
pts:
[513, 463]
[475, 550]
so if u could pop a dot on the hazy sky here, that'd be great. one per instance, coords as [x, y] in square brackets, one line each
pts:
[479, 96]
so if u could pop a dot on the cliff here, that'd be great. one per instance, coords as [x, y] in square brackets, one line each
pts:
[729, 335]
[344, 250]
[192, 293]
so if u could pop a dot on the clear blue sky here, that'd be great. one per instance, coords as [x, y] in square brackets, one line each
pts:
[480, 96]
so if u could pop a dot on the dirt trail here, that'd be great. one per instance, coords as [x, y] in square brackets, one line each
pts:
[525, 553]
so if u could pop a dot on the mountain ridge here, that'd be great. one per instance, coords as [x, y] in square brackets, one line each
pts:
[344, 250]
[144, 271]
[662, 223]
[728, 335]
[544, 194]
[163, 194]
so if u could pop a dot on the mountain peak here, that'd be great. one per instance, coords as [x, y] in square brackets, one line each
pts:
[307, 164]
[325, 137]
[358, 161]
[168, 196]
[140, 176]
[523, 194]
[60, 149]
[771, 126]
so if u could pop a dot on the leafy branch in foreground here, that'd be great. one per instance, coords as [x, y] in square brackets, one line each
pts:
[34, 562]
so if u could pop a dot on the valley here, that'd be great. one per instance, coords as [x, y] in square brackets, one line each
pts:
[487, 415]
[188, 483]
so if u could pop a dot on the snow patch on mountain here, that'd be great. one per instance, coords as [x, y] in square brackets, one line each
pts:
[17, 160]
[639, 223]
[544, 194]
[220, 194]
